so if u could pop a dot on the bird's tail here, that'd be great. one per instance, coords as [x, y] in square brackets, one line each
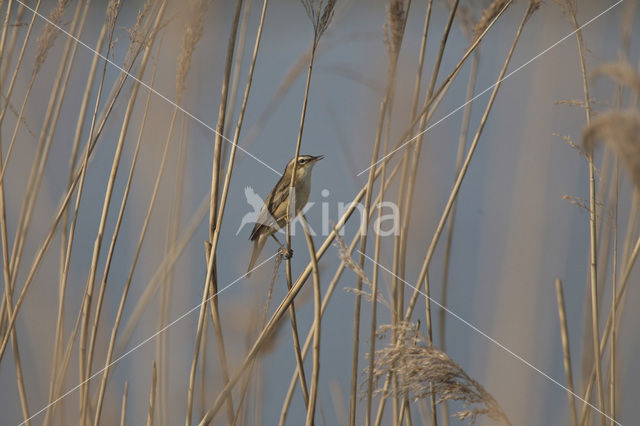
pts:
[257, 249]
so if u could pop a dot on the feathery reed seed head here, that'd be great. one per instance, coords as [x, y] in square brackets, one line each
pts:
[620, 72]
[192, 35]
[320, 13]
[49, 34]
[423, 370]
[488, 14]
[621, 130]
[394, 26]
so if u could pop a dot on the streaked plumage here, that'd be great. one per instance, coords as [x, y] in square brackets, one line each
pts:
[273, 214]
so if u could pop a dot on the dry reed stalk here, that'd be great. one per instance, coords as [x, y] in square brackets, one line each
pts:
[105, 209]
[393, 46]
[3, 39]
[320, 14]
[227, 180]
[624, 75]
[166, 291]
[609, 325]
[8, 287]
[242, 411]
[363, 246]
[85, 363]
[43, 46]
[273, 322]
[211, 275]
[405, 412]
[62, 283]
[408, 198]
[19, 375]
[78, 134]
[296, 342]
[626, 34]
[604, 216]
[431, 104]
[154, 27]
[59, 379]
[259, 394]
[7, 294]
[74, 150]
[167, 283]
[398, 290]
[592, 217]
[125, 291]
[67, 239]
[299, 66]
[453, 195]
[166, 266]
[203, 369]
[14, 75]
[215, 176]
[465, 165]
[462, 141]
[6, 264]
[317, 321]
[123, 410]
[632, 225]
[394, 32]
[622, 140]
[399, 295]
[329, 293]
[243, 408]
[123, 204]
[562, 314]
[193, 33]
[78, 173]
[414, 170]
[612, 371]
[44, 144]
[152, 395]
[20, 235]
[235, 79]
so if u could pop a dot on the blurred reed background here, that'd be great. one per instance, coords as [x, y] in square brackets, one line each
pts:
[112, 177]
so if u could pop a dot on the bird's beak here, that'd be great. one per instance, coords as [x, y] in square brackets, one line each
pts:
[318, 158]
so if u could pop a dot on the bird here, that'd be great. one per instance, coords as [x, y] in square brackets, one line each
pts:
[273, 214]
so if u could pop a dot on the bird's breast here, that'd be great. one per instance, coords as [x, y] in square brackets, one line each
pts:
[302, 195]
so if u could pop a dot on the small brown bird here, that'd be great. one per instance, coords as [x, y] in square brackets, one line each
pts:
[273, 215]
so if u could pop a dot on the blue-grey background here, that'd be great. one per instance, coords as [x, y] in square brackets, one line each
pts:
[514, 235]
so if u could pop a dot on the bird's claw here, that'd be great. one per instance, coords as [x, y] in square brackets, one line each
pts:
[286, 253]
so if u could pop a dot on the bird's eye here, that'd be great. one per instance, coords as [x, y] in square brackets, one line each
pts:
[301, 161]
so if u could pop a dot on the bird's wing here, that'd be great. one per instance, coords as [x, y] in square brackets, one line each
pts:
[273, 212]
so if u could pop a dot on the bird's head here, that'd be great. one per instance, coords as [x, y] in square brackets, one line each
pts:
[304, 165]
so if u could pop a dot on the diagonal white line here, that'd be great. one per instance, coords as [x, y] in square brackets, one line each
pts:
[148, 87]
[405, 143]
[142, 343]
[494, 341]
